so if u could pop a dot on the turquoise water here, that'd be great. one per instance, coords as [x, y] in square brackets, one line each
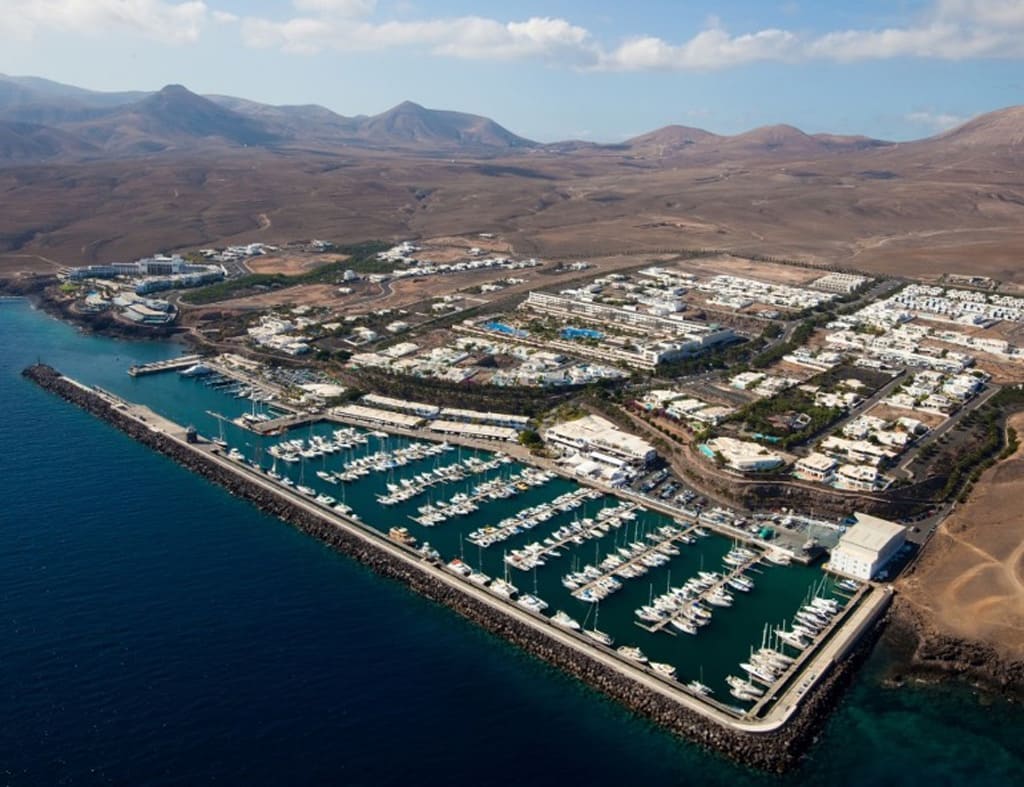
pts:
[155, 630]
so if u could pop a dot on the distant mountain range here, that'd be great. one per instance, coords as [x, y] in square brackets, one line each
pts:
[41, 120]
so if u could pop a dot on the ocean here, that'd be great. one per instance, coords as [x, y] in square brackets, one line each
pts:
[154, 630]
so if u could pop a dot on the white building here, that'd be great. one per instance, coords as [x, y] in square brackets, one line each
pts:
[867, 546]
[595, 434]
[858, 478]
[742, 455]
[843, 283]
[816, 467]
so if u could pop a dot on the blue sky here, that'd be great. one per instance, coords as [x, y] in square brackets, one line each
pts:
[559, 69]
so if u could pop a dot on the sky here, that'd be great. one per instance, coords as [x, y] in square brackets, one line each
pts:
[602, 70]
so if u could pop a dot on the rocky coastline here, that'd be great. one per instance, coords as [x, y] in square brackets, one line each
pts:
[777, 751]
[41, 292]
[926, 653]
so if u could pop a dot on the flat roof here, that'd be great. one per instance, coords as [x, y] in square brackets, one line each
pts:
[376, 415]
[474, 430]
[871, 533]
[816, 461]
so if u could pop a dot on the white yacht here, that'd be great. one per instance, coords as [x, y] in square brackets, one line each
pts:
[562, 619]
[700, 688]
[663, 669]
[599, 636]
[632, 653]
[532, 603]
[504, 588]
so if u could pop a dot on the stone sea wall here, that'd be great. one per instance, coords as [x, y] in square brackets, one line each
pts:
[777, 751]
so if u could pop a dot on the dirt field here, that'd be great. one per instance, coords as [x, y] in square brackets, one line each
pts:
[291, 264]
[971, 579]
[403, 293]
[20, 264]
[931, 420]
[456, 249]
[737, 266]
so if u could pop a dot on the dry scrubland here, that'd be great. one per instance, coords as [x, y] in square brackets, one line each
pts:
[971, 578]
[900, 209]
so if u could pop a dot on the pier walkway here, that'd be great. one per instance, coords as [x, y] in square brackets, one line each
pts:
[181, 362]
[284, 423]
[484, 495]
[599, 527]
[655, 548]
[736, 571]
[829, 648]
[620, 516]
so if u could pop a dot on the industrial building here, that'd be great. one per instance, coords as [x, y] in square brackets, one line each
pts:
[867, 546]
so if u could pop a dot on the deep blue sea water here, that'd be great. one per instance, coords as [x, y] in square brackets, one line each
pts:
[155, 630]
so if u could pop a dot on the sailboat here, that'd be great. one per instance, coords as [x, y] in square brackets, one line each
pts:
[272, 472]
[219, 440]
[594, 633]
[478, 577]
[503, 587]
[699, 686]
[323, 474]
[301, 487]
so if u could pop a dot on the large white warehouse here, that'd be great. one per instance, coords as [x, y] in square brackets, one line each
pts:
[867, 546]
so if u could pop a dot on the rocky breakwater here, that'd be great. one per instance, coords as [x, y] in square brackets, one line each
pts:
[776, 750]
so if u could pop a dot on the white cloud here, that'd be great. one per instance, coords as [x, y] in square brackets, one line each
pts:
[984, 12]
[949, 30]
[937, 121]
[301, 35]
[172, 22]
[343, 8]
[945, 29]
[470, 37]
[713, 48]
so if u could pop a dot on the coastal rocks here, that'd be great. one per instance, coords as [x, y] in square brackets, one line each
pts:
[778, 750]
[932, 654]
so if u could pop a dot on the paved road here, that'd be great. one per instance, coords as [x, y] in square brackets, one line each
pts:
[945, 426]
[868, 403]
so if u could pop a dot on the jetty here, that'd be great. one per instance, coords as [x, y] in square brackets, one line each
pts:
[718, 585]
[181, 362]
[771, 739]
[283, 423]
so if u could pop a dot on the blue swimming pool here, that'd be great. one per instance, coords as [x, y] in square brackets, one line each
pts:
[569, 332]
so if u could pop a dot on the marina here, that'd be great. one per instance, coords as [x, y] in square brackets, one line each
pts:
[572, 523]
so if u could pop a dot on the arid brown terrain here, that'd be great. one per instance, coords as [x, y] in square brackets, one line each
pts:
[172, 170]
[970, 582]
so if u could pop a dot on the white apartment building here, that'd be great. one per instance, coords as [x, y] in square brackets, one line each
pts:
[595, 434]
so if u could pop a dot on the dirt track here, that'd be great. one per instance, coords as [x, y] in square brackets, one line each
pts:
[970, 582]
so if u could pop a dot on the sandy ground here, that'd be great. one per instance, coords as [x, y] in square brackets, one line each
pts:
[931, 420]
[403, 293]
[17, 264]
[455, 248]
[971, 578]
[291, 264]
[763, 271]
